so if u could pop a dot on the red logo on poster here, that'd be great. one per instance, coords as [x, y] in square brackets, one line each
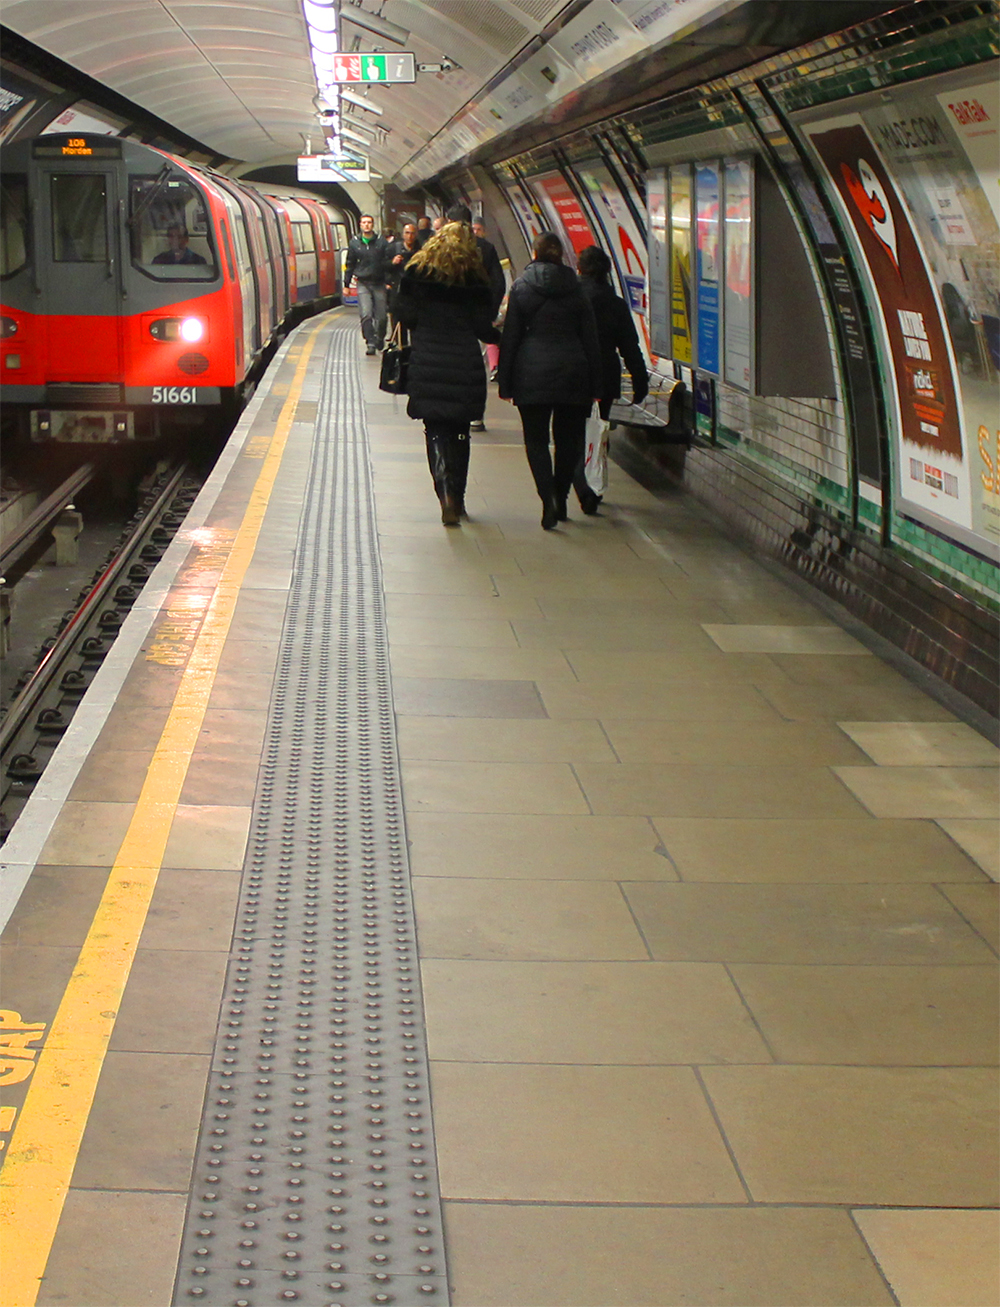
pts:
[873, 204]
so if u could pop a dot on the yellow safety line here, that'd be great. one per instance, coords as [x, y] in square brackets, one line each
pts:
[43, 1149]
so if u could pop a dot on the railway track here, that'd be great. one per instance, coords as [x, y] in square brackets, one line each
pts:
[37, 718]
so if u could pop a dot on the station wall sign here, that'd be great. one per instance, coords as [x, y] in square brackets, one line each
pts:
[374, 68]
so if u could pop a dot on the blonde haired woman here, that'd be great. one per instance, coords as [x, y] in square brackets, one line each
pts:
[445, 303]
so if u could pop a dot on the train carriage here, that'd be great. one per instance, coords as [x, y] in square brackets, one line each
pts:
[138, 291]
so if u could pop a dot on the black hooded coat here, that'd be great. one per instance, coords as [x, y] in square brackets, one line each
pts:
[549, 353]
[616, 335]
[447, 377]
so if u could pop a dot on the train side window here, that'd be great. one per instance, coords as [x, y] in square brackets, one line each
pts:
[240, 237]
[79, 218]
[305, 241]
[229, 251]
[13, 223]
[170, 230]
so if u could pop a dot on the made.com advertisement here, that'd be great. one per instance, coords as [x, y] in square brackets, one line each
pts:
[915, 177]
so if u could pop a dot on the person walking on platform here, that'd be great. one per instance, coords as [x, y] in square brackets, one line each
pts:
[492, 351]
[424, 232]
[444, 301]
[616, 335]
[550, 365]
[491, 262]
[366, 266]
[400, 253]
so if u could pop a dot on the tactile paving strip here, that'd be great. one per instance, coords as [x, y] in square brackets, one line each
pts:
[315, 1178]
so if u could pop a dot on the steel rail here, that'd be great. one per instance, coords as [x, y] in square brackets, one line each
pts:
[31, 699]
[17, 544]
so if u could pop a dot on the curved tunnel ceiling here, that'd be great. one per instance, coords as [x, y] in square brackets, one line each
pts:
[236, 74]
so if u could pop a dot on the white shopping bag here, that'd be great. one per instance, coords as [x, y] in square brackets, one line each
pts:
[595, 466]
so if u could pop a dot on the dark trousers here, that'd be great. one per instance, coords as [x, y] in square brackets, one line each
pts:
[567, 425]
[448, 456]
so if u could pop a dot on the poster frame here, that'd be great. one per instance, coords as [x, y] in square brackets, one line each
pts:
[853, 109]
[660, 345]
[702, 317]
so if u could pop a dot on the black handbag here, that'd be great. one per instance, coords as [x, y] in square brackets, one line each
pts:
[395, 365]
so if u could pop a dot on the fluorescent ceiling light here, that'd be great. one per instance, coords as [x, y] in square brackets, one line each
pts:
[360, 101]
[325, 41]
[320, 15]
[372, 23]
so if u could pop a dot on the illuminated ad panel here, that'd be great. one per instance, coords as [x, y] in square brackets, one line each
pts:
[708, 263]
[737, 291]
[925, 223]
[681, 307]
[623, 240]
[564, 211]
[659, 262]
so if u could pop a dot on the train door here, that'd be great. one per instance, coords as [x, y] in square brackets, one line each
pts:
[77, 234]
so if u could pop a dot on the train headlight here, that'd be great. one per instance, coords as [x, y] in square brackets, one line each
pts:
[190, 330]
[8, 328]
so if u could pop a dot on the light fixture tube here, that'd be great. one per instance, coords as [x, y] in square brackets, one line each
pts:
[360, 101]
[372, 23]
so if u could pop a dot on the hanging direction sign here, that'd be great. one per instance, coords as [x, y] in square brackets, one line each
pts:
[374, 68]
[333, 168]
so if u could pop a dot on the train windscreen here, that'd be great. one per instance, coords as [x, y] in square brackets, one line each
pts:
[171, 235]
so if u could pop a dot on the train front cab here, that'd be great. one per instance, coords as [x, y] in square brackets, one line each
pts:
[107, 331]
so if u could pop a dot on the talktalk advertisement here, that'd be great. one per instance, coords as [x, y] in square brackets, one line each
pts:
[933, 463]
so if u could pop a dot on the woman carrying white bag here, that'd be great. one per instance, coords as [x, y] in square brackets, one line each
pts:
[616, 336]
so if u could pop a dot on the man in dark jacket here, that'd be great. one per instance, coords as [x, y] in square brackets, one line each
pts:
[367, 266]
[424, 232]
[400, 253]
[491, 260]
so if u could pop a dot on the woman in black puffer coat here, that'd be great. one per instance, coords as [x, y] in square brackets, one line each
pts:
[550, 365]
[445, 302]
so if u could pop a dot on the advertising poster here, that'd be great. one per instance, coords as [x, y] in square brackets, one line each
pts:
[933, 464]
[708, 265]
[737, 295]
[530, 222]
[973, 114]
[659, 255]
[681, 315]
[17, 99]
[563, 210]
[942, 153]
[623, 239]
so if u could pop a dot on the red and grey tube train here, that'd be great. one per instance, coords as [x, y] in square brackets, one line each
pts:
[139, 291]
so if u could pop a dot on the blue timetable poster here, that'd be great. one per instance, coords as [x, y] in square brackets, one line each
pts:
[707, 264]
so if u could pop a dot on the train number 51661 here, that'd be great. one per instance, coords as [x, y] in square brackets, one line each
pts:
[175, 394]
